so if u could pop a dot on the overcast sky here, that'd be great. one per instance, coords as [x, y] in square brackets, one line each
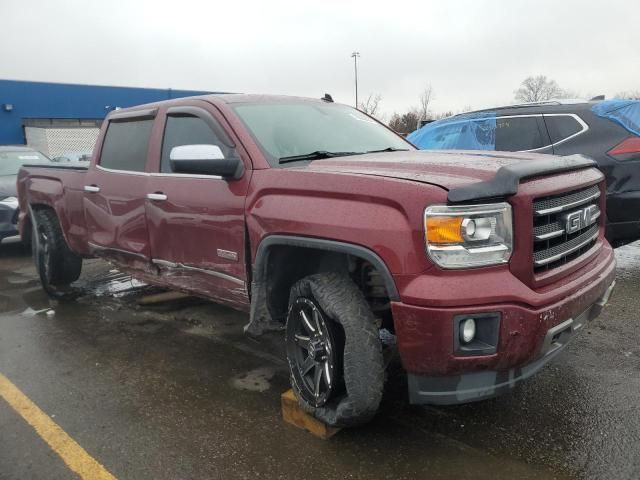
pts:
[473, 52]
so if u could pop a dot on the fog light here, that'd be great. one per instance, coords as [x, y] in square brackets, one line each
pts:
[467, 330]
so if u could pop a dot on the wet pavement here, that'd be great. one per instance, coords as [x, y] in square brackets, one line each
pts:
[177, 391]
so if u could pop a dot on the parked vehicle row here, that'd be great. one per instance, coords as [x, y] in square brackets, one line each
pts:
[317, 219]
[607, 131]
[71, 157]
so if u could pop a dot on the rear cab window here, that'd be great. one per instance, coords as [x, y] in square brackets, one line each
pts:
[125, 144]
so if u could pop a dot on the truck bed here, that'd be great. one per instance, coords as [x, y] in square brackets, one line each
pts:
[60, 187]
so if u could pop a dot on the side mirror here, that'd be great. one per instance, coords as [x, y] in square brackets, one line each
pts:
[205, 160]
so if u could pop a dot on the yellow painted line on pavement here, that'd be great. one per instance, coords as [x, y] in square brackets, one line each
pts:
[76, 457]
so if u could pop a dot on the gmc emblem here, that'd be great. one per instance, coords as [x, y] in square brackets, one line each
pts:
[579, 219]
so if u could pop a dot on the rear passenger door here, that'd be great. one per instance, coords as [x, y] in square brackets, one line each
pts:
[114, 200]
[196, 222]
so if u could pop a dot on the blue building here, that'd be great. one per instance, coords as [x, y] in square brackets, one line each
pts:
[58, 117]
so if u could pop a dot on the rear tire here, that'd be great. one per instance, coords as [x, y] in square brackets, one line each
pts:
[342, 340]
[56, 264]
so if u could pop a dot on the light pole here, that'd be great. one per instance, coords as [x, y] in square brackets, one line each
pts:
[355, 56]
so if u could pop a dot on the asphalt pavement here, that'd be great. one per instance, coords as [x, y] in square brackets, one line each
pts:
[177, 391]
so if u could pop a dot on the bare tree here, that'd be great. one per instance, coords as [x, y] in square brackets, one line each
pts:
[441, 115]
[405, 123]
[371, 105]
[568, 93]
[629, 95]
[425, 98]
[537, 89]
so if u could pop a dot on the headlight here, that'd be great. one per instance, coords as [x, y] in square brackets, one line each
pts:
[464, 236]
[9, 201]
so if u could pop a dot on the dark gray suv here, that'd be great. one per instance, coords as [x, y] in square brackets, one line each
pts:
[607, 131]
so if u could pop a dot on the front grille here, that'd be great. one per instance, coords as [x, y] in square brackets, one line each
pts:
[566, 201]
[564, 227]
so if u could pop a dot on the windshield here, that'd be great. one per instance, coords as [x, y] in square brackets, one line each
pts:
[298, 129]
[10, 162]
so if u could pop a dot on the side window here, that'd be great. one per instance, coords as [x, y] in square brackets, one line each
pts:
[561, 127]
[125, 145]
[186, 130]
[518, 133]
[474, 134]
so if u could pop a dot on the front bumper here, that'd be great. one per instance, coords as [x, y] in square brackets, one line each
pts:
[476, 386]
[432, 303]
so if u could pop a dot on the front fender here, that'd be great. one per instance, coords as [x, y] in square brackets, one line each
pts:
[380, 214]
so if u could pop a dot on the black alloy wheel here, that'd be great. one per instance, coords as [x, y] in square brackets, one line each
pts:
[311, 348]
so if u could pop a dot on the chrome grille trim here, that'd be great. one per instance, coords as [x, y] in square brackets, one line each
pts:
[565, 227]
[553, 229]
[549, 235]
[567, 202]
[545, 257]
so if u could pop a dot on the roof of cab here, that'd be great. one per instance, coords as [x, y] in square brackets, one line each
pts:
[227, 98]
[259, 98]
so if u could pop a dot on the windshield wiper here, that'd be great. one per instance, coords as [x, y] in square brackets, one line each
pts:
[317, 155]
[388, 149]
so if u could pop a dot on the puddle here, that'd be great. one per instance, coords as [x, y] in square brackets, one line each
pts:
[18, 280]
[257, 380]
[30, 312]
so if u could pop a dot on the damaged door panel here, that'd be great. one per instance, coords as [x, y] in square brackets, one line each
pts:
[196, 221]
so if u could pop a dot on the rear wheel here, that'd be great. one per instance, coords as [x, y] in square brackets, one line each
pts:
[333, 350]
[56, 264]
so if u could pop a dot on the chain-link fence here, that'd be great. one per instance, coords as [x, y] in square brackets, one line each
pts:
[55, 142]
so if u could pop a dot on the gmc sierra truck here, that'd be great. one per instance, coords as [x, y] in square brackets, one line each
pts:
[318, 220]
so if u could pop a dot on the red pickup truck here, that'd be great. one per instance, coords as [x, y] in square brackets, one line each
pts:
[320, 221]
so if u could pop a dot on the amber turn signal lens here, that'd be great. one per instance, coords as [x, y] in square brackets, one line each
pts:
[444, 229]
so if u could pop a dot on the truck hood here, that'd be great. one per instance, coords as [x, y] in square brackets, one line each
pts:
[447, 168]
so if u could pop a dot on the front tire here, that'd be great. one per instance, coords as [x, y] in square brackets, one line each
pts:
[334, 350]
[56, 264]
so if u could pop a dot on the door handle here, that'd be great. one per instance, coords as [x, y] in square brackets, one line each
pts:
[91, 188]
[156, 196]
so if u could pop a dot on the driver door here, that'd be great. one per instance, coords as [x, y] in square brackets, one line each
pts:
[196, 221]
